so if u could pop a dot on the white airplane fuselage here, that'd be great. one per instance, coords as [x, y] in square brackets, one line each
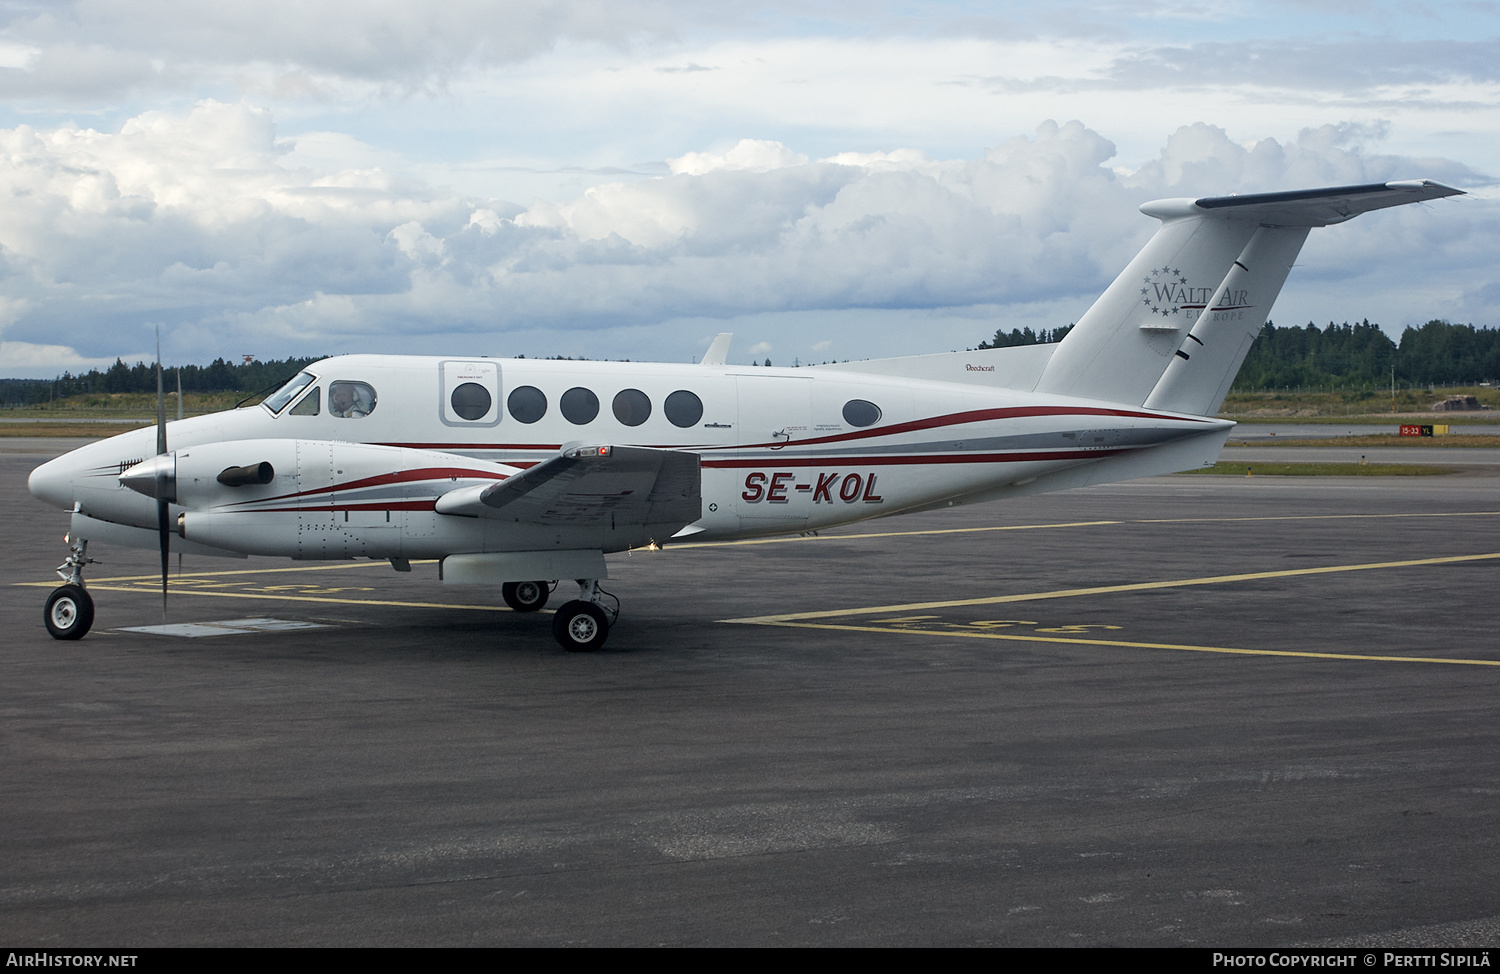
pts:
[778, 454]
[519, 472]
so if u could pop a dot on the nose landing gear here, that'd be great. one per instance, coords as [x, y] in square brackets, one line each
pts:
[70, 610]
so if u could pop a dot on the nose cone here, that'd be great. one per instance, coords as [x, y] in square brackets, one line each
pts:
[52, 482]
[154, 477]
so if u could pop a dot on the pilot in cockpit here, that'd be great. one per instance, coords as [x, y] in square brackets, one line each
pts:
[350, 399]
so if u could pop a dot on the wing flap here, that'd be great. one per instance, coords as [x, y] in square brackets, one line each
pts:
[595, 486]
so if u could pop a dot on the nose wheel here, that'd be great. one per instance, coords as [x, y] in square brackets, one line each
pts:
[69, 612]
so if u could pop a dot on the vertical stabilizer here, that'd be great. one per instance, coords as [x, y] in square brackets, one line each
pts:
[1171, 331]
[1122, 345]
[1209, 356]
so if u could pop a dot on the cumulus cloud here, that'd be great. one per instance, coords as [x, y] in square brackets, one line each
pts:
[201, 222]
[86, 49]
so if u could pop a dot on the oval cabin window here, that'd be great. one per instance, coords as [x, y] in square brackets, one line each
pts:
[471, 400]
[579, 406]
[858, 412]
[632, 407]
[527, 404]
[683, 409]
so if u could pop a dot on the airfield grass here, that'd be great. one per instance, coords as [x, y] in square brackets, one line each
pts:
[126, 405]
[1365, 405]
[1372, 440]
[1230, 469]
[80, 416]
[94, 430]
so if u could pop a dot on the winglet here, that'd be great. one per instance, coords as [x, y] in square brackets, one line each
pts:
[718, 352]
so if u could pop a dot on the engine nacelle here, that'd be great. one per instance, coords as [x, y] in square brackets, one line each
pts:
[313, 498]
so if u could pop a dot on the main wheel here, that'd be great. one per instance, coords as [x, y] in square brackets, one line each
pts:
[525, 596]
[69, 612]
[580, 626]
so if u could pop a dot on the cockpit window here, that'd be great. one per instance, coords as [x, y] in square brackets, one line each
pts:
[350, 400]
[308, 406]
[277, 401]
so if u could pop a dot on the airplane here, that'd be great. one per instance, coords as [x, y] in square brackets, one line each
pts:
[522, 472]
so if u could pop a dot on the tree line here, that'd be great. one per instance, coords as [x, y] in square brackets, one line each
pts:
[1437, 353]
[219, 376]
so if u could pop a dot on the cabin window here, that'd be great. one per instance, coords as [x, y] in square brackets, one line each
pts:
[683, 409]
[471, 400]
[308, 406]
[277, 401]
[351, 400]
[632, 407]
[579, 406]
[527, 404]
[858, 412]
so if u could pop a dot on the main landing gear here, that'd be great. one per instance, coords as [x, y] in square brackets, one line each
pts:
[70, 610]
[582, 625]
[526, 596]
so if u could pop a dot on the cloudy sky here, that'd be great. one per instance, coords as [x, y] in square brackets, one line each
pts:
[625, 178]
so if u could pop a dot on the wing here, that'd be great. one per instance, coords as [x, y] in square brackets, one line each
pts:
[612, 487]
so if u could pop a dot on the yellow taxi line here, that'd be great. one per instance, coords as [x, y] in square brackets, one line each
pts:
[690, 545]
[280, 597]
[1110, 589]
[1133, 645]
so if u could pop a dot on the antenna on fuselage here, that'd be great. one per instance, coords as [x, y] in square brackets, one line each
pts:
[718, 352]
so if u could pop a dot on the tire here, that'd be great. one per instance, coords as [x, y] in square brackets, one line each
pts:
[69, 612]
[580, 627]
[525, 596]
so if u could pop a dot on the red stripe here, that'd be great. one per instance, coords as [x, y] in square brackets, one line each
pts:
[918, 459]
[399, 477]
[934, 422]
[427, 505]
[474, 446]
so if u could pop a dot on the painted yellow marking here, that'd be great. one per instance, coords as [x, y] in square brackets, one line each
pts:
[691, 545]
[1109, 589]
[336, 566]
[963, 634]
[280, 597]
[889, 534]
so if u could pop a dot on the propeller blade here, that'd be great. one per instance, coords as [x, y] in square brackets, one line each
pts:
[161, 401]
[162, 528]
[162, 514]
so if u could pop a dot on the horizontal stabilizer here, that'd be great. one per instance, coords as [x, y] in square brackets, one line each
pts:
[1320, 207]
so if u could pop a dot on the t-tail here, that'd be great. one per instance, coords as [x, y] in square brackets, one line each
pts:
[1172, 330]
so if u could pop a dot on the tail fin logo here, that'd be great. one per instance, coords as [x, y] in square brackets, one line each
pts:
[1166, 292]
